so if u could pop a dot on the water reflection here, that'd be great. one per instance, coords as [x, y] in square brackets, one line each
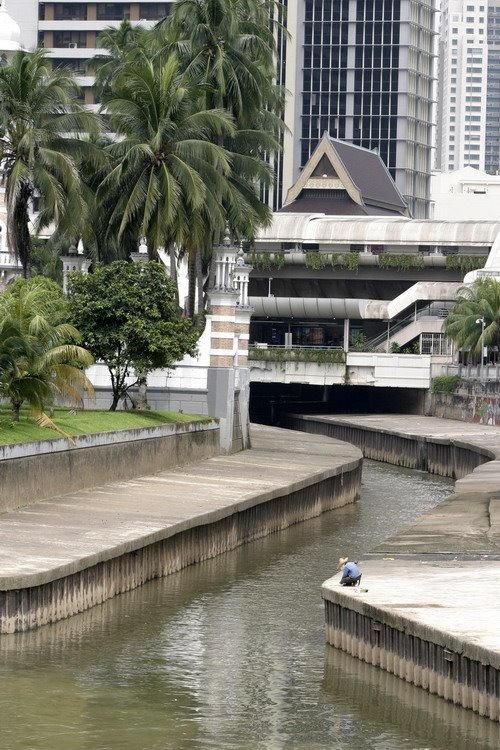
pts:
[230, 654]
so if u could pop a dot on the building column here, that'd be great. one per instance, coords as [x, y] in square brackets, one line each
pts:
[346, 335]
[228, 378]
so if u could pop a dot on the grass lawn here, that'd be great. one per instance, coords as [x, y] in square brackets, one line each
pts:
[84, 423]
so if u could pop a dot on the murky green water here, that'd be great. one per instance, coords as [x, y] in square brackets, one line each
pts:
[230, 655]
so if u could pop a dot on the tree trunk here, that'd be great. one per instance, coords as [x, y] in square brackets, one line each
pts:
[173, 271]
[141, 402]
[15, 410]
[191, 285]
[18, 228]
[199, 285]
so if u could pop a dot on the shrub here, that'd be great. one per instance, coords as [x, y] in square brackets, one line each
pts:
[445, 383]
[465, 263]
[268, 261]
[401, 261]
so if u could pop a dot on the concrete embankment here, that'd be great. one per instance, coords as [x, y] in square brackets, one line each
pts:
[431, 612]
[30, 472]
[65, 554]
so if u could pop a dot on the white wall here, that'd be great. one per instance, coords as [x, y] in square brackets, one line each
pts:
[465, 194]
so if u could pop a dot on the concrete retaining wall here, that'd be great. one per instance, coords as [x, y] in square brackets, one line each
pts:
[35, 471]
[209, 535]
[444, 456]
[415, 654]
[471, 401]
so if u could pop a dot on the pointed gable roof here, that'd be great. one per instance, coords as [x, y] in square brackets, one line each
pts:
[345, 179]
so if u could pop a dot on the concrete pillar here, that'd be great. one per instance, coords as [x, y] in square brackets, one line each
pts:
[228, 378]
[346, 335]
[74, 261]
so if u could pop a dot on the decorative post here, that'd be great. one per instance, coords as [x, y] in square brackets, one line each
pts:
[141, 256]
[75, 260]
[228, 378]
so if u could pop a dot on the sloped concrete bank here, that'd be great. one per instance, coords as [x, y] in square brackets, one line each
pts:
[431, 611]
[30, 472]
[69, 553]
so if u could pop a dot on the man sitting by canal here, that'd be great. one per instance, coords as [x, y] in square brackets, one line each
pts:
[351, 574]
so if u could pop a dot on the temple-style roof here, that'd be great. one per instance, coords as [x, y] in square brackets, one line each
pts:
[345, 180]
[331, 230]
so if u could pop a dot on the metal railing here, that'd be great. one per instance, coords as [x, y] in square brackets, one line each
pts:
[432, 310]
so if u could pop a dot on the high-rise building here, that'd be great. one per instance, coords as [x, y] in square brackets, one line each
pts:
[492, 147]
[69, 30]
[363, 71]
[463, 67]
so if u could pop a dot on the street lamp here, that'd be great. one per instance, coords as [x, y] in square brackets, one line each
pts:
[481, 372]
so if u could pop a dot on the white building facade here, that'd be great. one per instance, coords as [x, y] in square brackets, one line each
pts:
[465, 195]
[463, 69]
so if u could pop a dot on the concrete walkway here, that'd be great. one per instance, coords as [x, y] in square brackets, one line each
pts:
[55, 538]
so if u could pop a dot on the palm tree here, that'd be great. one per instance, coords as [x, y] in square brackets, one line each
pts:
[478, 302]
[228, 46]
[40, 148]
[168, 169]
[40, 359]
[123, 46]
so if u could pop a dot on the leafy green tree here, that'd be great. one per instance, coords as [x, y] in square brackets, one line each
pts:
[480, 300]
[130, 321]
[40, 148]
[40, 356]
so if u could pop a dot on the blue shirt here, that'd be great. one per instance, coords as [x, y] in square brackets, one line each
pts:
[351, 569]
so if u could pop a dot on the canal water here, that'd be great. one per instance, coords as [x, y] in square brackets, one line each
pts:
[230, 655]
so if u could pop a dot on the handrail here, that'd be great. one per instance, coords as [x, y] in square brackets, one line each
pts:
[404, 322]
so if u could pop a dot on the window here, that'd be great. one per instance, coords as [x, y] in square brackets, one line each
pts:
[70, 12]
[70, 38]
[112, 11]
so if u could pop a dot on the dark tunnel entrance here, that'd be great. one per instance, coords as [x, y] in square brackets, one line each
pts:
[268, 401]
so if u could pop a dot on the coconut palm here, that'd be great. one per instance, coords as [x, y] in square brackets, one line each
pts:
[228, 46]
[40, 359]
[40, 147]
[480, 301]
[168, 169]
[122, 46]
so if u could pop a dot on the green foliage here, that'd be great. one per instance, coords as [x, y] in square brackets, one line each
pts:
[401, 261]
[479, 300]
[40, 149]
[445, 383]
[267, 261]
[306, 354]
[465, 263]
[360, 342]
[349, 261]
[40, 356]
[129, 320]
[319, 260]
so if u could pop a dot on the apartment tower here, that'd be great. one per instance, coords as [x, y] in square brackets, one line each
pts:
[463, 72]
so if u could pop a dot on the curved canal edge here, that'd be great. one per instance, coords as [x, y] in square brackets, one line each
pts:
[66, 554]
[432, 608]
